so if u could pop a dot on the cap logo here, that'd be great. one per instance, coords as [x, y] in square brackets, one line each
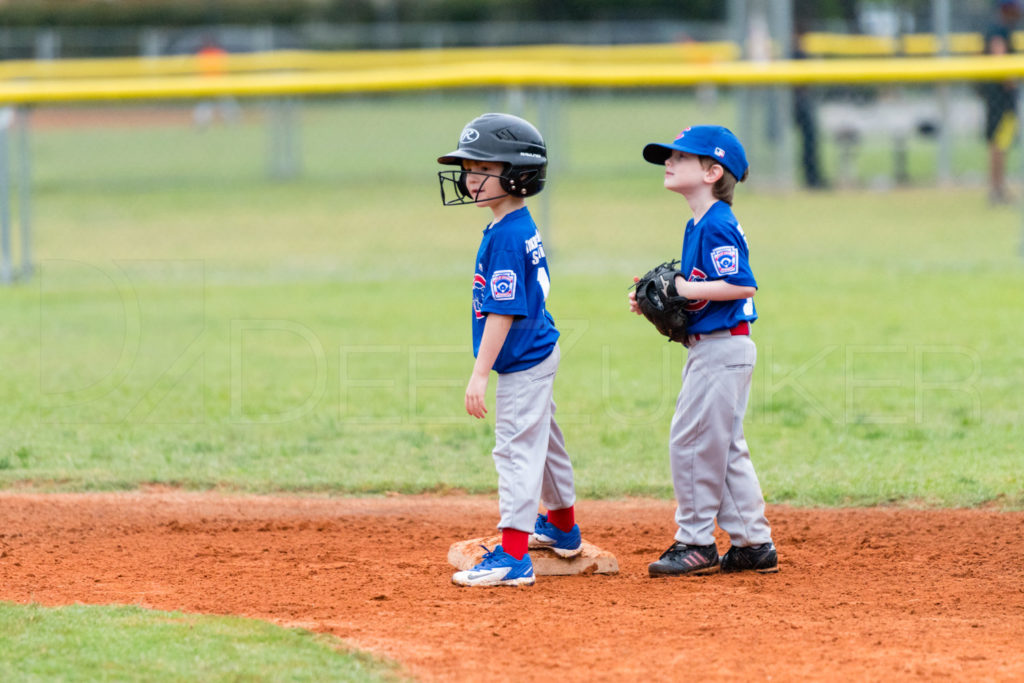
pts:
[719, 152]
[469, 135]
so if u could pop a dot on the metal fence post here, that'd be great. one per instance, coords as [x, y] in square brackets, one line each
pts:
[47, 44]
[1020, 104]
[25, 191]
[6, 274]
[944, 162]
[151, 42]
[549, 123]
[284, 150]
[782, 28]
[738, 14]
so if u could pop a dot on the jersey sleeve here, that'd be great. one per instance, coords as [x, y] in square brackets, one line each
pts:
[505, 291]
[726, 255]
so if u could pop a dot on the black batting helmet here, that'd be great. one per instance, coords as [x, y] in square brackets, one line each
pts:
[503, 138]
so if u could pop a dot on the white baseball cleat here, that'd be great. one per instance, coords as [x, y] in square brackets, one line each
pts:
[497, 568]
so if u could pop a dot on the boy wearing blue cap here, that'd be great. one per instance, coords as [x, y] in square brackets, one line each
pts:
[712, 474]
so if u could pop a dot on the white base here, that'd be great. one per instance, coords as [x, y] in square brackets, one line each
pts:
[466, 554]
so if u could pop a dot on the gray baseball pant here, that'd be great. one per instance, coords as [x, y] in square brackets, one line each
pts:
[712, 473]
[529, 451]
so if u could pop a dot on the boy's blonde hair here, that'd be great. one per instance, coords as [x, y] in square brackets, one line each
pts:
[726, 185]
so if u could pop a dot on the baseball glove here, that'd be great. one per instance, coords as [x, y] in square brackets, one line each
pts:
[657, 299]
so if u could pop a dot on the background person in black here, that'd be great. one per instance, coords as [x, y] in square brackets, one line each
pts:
[805, 117]
[1000, 101]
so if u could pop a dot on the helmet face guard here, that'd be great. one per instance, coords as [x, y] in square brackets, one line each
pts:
[501, 138]
[527, 181]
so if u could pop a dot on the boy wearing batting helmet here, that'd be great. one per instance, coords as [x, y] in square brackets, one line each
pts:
[501, 161]
[712, 474]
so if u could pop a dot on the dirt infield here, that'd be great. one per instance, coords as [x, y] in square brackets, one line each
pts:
[863, 594]
[109, 116]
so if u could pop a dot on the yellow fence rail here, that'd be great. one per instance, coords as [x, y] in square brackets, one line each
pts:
[919, 44]
[691, 52]
[297, 60]
[515, 73]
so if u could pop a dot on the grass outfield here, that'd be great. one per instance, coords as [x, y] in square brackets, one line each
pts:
[82, 642]
[194, 324]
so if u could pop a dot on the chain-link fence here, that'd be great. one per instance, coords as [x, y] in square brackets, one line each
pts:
[821, 136]
[743, 22]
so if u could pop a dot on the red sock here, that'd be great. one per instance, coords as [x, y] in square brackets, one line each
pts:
[515, 542]
[564, 519]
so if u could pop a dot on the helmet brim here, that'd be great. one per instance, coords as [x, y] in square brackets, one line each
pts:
[458, 156]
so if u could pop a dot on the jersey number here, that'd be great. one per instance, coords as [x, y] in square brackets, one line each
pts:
[545, 282]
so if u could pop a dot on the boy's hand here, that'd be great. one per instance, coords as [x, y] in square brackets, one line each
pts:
[657, 300]
[681, 286]
[633, 306]
[476, 395]
[495, 330]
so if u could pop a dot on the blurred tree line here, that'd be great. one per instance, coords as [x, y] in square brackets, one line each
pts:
[151, 12]
[194, 12]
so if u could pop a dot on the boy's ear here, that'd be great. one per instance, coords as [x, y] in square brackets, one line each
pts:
[714, 173]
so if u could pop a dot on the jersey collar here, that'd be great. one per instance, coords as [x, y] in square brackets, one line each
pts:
[508, 217]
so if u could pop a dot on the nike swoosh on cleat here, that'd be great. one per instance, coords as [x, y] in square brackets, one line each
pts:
[487, 574]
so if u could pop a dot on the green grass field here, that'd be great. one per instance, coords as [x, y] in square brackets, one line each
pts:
[192, 323]
[88, 643]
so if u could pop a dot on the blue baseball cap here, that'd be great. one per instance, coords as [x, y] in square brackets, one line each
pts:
[717, 142]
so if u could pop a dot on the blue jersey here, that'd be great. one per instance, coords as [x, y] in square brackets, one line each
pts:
[511, 278]
[716, 249]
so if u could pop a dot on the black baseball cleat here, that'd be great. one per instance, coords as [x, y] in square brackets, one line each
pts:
[757, 558]
[686, 560]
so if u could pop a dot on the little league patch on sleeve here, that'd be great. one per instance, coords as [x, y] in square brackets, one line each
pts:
[726, 260]
[503, 285]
